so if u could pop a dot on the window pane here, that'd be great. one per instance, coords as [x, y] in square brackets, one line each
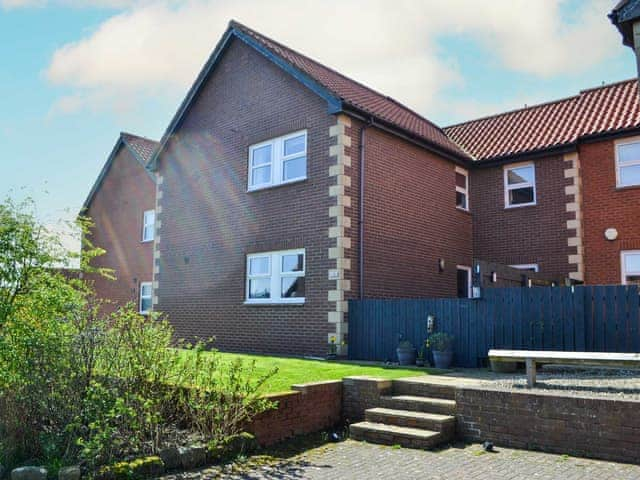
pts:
[632, 263]
[145, 304]
[628, 153]
[261, 175]
[461, 180]
[261, 156]
[630, 175]
[461, 200]
[259, 266]
[296, 168]
[147, 233]
[260, 288]
[149, 217]
[294, 145]
[145, 290]
[293, 287]
[518, 196]
[520, 175]
[292, 263]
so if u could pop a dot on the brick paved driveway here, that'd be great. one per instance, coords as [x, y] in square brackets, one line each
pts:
[353, 460]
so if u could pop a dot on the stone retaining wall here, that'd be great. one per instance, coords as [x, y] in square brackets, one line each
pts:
[607, 429]
[361, 393]
[308, 408]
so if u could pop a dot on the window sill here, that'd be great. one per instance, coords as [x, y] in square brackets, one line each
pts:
[283, 184]
[464, 210]
[627, 187]
[147, 241]
[523, 205]
[254, 303]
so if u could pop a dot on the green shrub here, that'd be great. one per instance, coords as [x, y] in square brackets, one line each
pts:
[77, 387]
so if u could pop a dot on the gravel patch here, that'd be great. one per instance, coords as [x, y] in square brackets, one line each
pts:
[599, 382]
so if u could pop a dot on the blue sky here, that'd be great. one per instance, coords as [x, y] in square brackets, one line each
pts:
[77, 72]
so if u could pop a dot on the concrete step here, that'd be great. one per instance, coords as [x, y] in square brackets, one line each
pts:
[419, 404]
[423, 389]
[404, 418]
[395, 435]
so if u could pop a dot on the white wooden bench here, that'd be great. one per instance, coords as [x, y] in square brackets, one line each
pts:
[534, 357]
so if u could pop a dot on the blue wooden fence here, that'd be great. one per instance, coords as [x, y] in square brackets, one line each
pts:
[581, 318]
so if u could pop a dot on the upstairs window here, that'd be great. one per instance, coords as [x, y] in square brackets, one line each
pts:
[628, 164]
[276, 277]
[277, 161]
[630, 267]
[146, 293]
[519, 185]
[462, 189]
[148, 225]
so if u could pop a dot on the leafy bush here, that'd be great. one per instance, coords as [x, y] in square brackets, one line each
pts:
[77, 387]
[440, 342]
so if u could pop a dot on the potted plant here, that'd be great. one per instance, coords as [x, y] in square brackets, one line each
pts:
[406, 353]
[420, 358]
[441, 345]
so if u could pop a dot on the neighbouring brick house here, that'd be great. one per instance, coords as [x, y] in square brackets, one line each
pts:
[284, 189]
[566, 156]
[121, 203]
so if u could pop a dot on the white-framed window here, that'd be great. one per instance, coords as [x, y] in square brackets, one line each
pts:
[148, 225]
[146, 296]
[276, 277]
[463, 281]
[530, 267]
[628, 163]
[519, 185]
[277, 161]
[462, 189]
[630, 267]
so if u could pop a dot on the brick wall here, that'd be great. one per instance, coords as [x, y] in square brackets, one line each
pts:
[607, 429]
[411, 220]
[605, 206]
[209, 223]
[361, 393]
[117, 209]
[309, 408]
[533, 234]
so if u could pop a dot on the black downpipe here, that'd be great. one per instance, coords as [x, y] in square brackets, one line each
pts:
[361, 146]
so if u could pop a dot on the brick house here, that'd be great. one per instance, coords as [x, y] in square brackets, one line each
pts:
[578, 159]
[283, 189]
[121, 203]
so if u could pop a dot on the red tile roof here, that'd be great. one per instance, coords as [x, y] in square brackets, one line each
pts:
[555, 124]
[143, 147]
[358, 95]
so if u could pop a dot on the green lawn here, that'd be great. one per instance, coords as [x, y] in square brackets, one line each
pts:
[295, 370]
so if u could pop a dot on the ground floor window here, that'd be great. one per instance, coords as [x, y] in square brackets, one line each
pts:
[631, 267]
[464, 281]
[276, 277]
[146, 294]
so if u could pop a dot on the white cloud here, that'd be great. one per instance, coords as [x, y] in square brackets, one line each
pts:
[14, 4]
[156, 48]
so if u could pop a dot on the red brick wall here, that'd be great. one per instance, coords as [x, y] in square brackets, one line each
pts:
[117, 209]
[209, 223]
[309, 408]
[605, 206]
[534, 234]
[411, 220]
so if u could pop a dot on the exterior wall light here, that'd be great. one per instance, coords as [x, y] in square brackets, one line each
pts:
[611, 234]
[494, 277]
[441, 265]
